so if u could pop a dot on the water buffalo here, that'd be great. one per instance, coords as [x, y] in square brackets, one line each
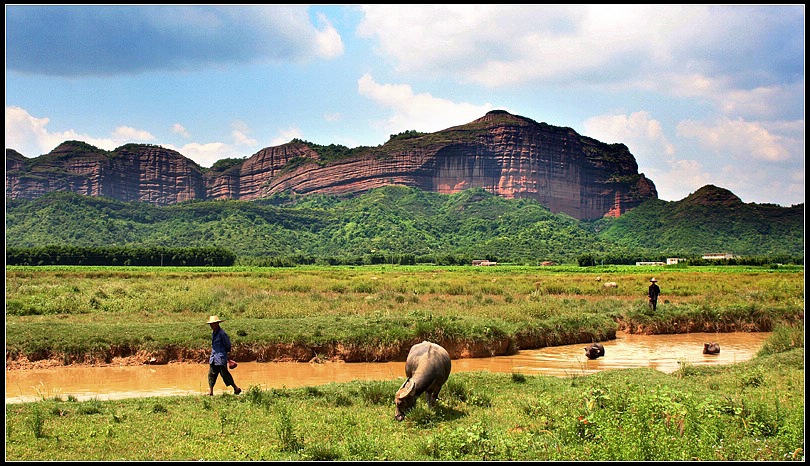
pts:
[594, 350]
[711, 348]
[427, 369]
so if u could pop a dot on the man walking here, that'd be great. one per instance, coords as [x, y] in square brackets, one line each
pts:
[653, 293]
[218, 362]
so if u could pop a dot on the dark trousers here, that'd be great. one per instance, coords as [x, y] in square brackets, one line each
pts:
[653, 303]
[214, 371]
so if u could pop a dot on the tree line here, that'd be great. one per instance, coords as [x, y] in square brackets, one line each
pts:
[589, 260]
[120, 255]
[218, 256]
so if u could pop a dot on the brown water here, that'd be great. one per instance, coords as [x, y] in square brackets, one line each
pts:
[662, 352]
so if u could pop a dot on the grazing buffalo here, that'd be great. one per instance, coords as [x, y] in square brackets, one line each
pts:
[711, 348]
[594, 350]
[427, 369]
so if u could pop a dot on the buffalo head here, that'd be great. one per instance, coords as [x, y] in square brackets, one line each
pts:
[404, 399]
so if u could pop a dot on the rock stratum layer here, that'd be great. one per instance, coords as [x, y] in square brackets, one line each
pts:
[508, 155]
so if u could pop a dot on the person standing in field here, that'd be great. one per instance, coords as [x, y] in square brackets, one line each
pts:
[218, 362]
[653, 293]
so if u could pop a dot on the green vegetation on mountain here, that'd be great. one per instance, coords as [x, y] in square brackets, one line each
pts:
[223, 165]
[711, 219]
[395, 222]
[330, 152]
[409, 134]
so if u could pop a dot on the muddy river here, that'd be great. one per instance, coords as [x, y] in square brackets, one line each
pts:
[661, 352]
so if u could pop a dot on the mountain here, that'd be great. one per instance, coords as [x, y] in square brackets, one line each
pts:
[508, 155]
[710, 220]
[395, 220]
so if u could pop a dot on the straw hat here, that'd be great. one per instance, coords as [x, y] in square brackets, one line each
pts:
[214, 320]
[653, 280]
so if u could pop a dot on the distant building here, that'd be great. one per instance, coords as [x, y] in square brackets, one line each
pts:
[718, 256]
[483, 262]
[674, 260]
[649, 263]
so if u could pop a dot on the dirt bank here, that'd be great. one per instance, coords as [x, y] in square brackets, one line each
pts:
[359, 353]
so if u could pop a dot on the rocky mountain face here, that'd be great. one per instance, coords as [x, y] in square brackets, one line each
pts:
[134, 172]
[508, 155]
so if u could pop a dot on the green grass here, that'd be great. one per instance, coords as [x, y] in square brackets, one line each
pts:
[748, 411]
[742, 412]
[82, 314]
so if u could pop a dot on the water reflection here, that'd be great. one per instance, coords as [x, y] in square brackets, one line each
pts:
[662, 352]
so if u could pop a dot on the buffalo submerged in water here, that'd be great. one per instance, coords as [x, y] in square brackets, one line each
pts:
[594, 350]
[711, 348]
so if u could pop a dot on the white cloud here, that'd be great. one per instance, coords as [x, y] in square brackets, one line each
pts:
[177, 128]
[781, 185]
[27, 134]
[30, 136]
[755, 102]
[761, 151]
[642, 134]
[329, 43]
[420, 112]
[558, 43]
[240, 132]
[675, 179]
[765, 167]
[656, 156]
[127, 134]
[467, 41]
[335, 116]
[746, 59]
[761, 102]
[742, 140]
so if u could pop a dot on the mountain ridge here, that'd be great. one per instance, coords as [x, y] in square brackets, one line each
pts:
[508, 155]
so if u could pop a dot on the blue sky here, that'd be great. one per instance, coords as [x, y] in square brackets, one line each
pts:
[701, 94]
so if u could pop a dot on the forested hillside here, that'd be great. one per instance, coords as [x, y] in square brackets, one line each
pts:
[711, 219]
[409, 225]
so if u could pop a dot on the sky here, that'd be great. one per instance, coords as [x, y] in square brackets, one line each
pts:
[700, 94]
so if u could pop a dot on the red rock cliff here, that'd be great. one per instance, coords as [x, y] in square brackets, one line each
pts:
[508, 155]
[132, 172]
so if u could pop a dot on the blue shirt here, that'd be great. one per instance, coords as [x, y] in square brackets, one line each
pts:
[220, 347]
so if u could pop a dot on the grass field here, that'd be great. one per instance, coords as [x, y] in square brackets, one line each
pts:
[372, 313]
[743, 412]
[747, 411]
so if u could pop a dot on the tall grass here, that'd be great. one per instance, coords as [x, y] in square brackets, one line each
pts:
[81, 313]
[784, 337]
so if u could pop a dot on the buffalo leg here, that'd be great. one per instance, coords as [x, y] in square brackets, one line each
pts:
[431, 399]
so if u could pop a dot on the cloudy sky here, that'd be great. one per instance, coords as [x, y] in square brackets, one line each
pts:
[700, 94]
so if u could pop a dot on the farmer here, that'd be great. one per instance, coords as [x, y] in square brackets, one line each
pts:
[653, 293]
[218, 362]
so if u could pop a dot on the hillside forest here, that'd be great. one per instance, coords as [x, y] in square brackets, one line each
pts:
[403, 225]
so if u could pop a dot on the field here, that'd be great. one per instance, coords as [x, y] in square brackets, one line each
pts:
[747, 411]
[374, 313]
